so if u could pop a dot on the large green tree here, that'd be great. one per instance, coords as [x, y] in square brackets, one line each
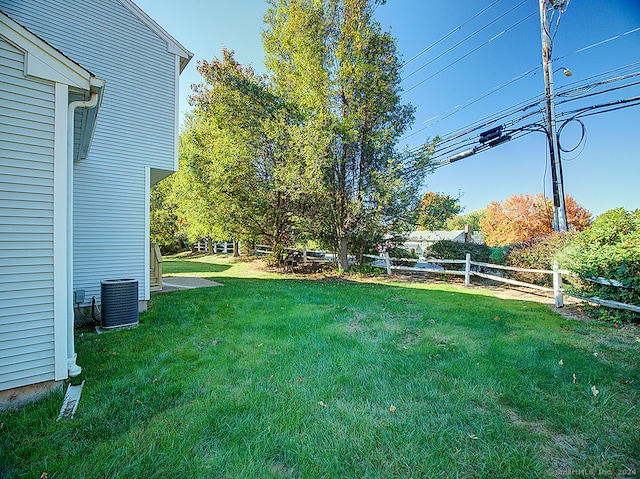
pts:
[242, 173]
[331, 58]
[435, 209]
[167, 227]
[472, 219]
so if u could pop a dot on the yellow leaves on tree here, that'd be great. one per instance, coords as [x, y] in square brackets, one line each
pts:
[523, 217]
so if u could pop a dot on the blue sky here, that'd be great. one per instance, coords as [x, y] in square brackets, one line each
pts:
[602, 173]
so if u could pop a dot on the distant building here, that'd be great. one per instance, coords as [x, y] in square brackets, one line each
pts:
[420, 241]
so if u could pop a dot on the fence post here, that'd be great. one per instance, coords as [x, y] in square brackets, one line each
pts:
[387, 262]
[304, 253]
[467, 270]
[557, 285]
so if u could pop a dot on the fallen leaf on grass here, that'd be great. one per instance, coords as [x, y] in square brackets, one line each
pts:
[44, 475]
[594, 391]
[574, 378]
[595, 354]
[473, 436]
[392, 408]
[260, 345]
[637, 339]
[561, 362]
[320, 403]
[496, 319]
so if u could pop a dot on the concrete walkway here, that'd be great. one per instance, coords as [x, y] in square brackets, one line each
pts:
[176, 283]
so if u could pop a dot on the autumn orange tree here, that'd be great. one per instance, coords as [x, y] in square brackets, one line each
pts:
[524, 217]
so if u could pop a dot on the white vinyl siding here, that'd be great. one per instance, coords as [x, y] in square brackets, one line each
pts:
[135, 129]
[26, 224]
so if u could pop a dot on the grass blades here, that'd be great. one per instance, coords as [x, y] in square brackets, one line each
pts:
[276, 376]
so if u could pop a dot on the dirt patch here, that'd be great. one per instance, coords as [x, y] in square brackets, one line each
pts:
[572, 308]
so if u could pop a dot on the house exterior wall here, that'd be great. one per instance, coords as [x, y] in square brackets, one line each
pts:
[27, 129]
[136, 130]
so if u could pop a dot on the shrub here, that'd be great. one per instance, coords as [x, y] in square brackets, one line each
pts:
[402, 253]
[609, 249]
[497, 254]
[447, 249]
[538, 253]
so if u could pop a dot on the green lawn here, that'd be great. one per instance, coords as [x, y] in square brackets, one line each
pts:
[274, 376]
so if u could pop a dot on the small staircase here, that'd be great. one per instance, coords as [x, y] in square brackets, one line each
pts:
[155, 270]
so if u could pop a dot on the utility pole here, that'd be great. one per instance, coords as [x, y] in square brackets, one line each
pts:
[559, 209]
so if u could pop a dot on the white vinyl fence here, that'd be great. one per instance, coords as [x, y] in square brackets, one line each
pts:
[490, 272]
[202, 246]
[471, 268]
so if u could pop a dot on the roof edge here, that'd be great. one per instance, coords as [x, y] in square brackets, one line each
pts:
[44, 60]
[174, 46]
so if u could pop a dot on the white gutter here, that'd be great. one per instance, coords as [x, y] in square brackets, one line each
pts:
[74, 369]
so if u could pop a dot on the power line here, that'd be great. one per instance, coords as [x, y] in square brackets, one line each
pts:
[530, 128]
[565, 91]
[599, 92]
[444, 37]
[458, 108]
[561, 91]
[602, 42]
[468, 37]
[467, 54]
[455, 142]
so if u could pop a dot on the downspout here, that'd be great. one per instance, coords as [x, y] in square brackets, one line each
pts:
[74, 369]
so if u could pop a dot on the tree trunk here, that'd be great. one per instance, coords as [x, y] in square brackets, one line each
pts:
[236, 250]
[210, 244]
[343, 261]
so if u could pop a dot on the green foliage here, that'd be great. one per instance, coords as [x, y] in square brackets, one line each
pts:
[166, 226]
[308, 151]
[472, 219]
[435, 209]
[497, 255]
[332, 60]
[241, 173]
[609, 249]
[402, 253]
[446, 249]
[538, 253]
